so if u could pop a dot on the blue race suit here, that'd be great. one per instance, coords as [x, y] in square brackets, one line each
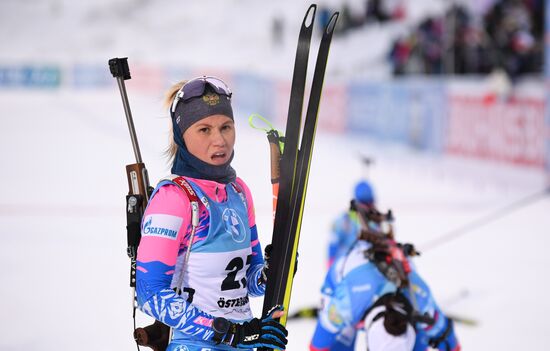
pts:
[343, 235]
[352, 285]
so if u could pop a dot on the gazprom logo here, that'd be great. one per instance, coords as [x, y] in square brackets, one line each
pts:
[234, 225]
[161, 225]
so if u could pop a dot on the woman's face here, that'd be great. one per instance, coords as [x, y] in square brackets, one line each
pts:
[211, 139]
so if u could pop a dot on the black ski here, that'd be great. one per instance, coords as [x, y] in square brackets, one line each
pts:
[295, 165]
[304, 160]
[289, 157]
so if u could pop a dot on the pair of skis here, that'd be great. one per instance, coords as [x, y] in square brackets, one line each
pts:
[295, 163]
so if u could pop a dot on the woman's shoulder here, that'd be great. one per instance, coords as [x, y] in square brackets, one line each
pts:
[245, 189]
[242, 184]
[168, 195]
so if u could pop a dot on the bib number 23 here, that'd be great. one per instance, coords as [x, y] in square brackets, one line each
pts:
[233, 267]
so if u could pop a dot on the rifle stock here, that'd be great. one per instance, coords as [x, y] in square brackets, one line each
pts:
[139, 192]
[138, 180]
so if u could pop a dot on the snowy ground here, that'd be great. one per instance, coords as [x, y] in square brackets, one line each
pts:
[65, 271]
[64, 282]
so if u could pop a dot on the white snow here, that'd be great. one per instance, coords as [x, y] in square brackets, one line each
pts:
[64, 280]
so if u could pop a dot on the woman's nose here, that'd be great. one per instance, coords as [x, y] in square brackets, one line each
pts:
[217, 138]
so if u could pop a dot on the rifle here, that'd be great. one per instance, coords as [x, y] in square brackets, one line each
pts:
[139, 191]
[389, 256]
[385, 252]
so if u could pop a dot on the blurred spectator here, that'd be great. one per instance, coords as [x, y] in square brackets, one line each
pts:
[508, 37]
[400, 54]
[468, 49]
[421, 51]
[431, 45]
[384, 10]
[354, 15]
[350, 18]
[277, 31]
[376, 11]
[510, 26]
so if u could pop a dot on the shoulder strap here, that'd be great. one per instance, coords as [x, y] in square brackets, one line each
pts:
[240, 191]
[184, 185]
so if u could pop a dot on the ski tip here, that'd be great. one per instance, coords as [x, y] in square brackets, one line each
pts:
[332, 23]
[309, 18]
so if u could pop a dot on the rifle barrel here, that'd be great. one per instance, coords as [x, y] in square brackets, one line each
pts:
[133, 136]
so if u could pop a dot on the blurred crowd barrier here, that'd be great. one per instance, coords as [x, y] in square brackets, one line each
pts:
[461, 116]
[30, 76]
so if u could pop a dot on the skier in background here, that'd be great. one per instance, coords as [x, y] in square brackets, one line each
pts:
[370, 289]
[345, 229]
[197, 278]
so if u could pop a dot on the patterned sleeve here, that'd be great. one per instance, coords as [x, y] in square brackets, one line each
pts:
[346, 296]
[441, 334]
[335, 329]
[164, 225]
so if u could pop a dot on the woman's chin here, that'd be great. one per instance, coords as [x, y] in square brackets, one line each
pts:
[218, 161]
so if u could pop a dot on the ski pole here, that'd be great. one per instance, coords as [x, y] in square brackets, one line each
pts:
[276, 147]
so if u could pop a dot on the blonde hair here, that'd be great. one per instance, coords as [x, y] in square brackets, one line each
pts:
[172, 148]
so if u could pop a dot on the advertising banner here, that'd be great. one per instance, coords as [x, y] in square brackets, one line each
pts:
[28, 76]
[510, 130]
[379, 109]
[91, 76]
[333, 109]
[411, 112]
[253, 94]
[428, 111]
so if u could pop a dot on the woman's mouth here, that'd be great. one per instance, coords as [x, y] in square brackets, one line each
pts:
[217, 156]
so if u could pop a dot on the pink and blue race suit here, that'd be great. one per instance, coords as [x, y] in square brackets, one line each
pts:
[352, 285]
[223, 268]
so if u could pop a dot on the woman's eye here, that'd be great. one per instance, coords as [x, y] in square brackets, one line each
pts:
[203, 130]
